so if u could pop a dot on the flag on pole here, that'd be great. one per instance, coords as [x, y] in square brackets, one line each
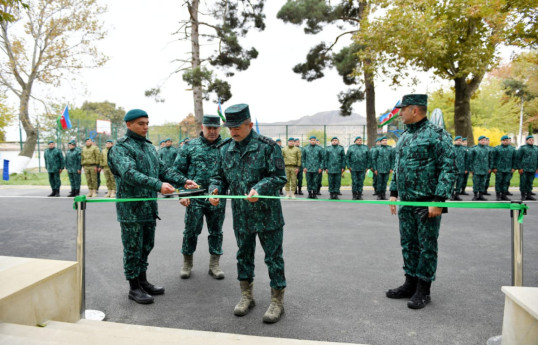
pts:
[257, 128]
[63, 120]
[219, 111]
[387, 118]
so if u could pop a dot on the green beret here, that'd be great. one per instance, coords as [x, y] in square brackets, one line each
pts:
[236, 115]
[529, 137]
[413, 99]
[378, 140]
[457, 137]
[334, 138]
[291, 139]
[88, 139]
[312, 137]
[297, 139]
[110, 141]
[168, 139]
[504, 137]
[278, 140]
[481, 137]
[211, 121]
[134, 114]
[359, 137]
[51, 141]
[383, 138]
[464, 139]
[73, 142]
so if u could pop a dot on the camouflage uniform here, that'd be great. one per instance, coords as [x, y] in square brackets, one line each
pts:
[357, 160]
[527, 160]
[54, 162]
[312, 161]
[334, 163]
[73, 167]
[488, 176]
[90, 158]
[461, 166]
[292, 160]
[168, 155]
[300, 173]
[371, 166]
[479, 165]
[110, 182]
[504, 160]
[383, 162]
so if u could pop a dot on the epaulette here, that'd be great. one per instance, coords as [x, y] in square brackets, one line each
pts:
[267, 140]
[224, 142]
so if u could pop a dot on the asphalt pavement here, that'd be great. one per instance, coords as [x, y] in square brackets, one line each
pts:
[340, 258]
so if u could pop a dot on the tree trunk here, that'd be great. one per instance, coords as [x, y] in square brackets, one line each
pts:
[371, 121]
[195, 45]
[462, 106]
[31, 133]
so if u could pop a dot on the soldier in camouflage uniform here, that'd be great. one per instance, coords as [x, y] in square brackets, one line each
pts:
[90, 158]
[504, 164]
[466, 177]
[371, 164]
[488, 176]
[424, 170]
[168, 153]
[292, 160]
[383, 162]
[320, 174]
[139, 174]
[110, 182]
[312, 162]
[198, 160]
[300, 171]
[479, 166]
[527, 164]
[54, 162]
[461, 167]
[334, 166]
[73, 167]
[357, 160]
[252, 165]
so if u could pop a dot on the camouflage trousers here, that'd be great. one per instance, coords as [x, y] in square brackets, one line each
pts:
[194, 222]
[300, 177]
[418, 238]
[54, 180]
[335, 180]
[479, 183]
[488, 178]
[502, 181]
[271, 242]
[312, 181]
[465, 180]
[74, 180]
[357, 181]
[110, 182]
[525, 182]
[91, 176]
[320, 180]
[374, 182]
[138, 240]
[291, 175]
[382, 180]
[459, 183]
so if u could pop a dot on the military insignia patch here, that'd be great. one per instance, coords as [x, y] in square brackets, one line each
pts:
[279, 163]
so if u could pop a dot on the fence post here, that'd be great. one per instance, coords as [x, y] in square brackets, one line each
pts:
[287, 136]
[517, 248]
[324, 135]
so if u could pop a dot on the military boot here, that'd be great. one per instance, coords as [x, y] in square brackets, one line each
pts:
[508, 193]
[498, 196]
[532, 193]
[463, 192]
[530, 197]
[421, 296]
[318, 192]
[77, 192]
[137, 293]
[56, 192]
[310, 195]
[457, 196]
[406, 290]
[247, 300]
[504, 197]
[359, 195]
[481, 197]
[148, 287]
[314, 195]
[300, 192]
[72, 193]
[53, 193]
[475, 197]
[276, 308]
[336, 196]
[523, 196]
[354, 196]
[214, 267]
[187, 267]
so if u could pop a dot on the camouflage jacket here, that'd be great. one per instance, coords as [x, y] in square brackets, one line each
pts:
[138, 172]
[371, 158]
[424, 168]
[254, 163]
[358, 157]
[479, 160]
[527, 158]
[504, 158]
[90, 155]
[104, 158]
[461, 159]
[168, 155]
[383, 159]
[292, 156]
[54, 160]
[72, 160]
[312, 159]
[335, 159]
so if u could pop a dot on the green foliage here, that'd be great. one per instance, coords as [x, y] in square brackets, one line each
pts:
[6, 7]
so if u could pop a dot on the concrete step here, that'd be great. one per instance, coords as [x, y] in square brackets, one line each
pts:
[13, 334]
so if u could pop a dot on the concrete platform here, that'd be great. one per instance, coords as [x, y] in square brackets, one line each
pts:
[520, 321]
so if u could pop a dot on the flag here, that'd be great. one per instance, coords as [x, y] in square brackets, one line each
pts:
[219, 111]
[63, 120]
[387, 118]
[257, 128]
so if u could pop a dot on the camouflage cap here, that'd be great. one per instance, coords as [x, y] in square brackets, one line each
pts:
[481, 137]
[414, 99]
[529, 137]
[134, 114]
[356, 138]
[504, 137]
[458, 137]
[236, 115]
[211, 121]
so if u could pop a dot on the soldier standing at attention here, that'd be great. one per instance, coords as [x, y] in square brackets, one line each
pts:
[504, 164]
[488, 177]
[383, 158]
[479, 165]
[54, 162]
[423, 171]
[312, 162]
[198, 160]
[357, 160]
[300, 172]
[139, 174]
[168, 153]
[466, 177]
[90, 158]
[279, 143]
[110, 182]
[98, 174]
[334, 166]
[527, 164]
[252, 165]
[461, 167]
[371, 164]
[320, 175]
[292, 160]
[74, 168]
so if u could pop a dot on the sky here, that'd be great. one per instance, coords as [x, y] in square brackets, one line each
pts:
[141, 51]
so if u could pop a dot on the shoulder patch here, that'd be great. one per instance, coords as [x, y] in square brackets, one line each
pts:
[279, 163]
[267, 140]
[224, 142]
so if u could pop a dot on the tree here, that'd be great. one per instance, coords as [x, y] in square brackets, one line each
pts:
[105, 111]
[5, 5]
[47, 41]
[6, 117]
[458, 40]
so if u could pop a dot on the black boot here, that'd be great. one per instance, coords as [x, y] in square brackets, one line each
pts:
[314, 194]
[310, 195]
[457, 196]
[475, 197]
[508, 193]
[331, 197]
[523, 196]
[530, 197]
[406, 290]
[53, 193]
[335, 196]
[462, 192]
[281, 192]
[56, 192]
[318, 191]
[137, 293]
[532, 193]
[78, 192]
[498, 197]
[481, 197]
[359, 195]
[504, 197]
[148, 287]
[486, 192]
[338, 193]
[299, 190]
[72, 193]
[354, 196]
[421, 296]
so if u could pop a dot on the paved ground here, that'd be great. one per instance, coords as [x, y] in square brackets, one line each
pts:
[340, 257]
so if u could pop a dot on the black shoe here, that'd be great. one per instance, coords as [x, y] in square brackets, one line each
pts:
[71, 194]
[486, 193]
[148, 287]
[532, 193]
[457, 197]
[498, 197]
[406, 290]
[53, 193]
[314, 195]
[504, 198]
[299, 191]
[475, 197]
[339, 193]
[56, 193]
[463, 192]
[318, 192]
[359, 196]
[481, 197]
[421, 296]
[508, 193]
[354, 196]
[335, 196]
[281, 192]
[530, 197]
[310, 196]
[137, 293]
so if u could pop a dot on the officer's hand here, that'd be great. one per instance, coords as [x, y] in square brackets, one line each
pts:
[191, 185]
[185, 202]
[214, 201]
[434, 211]
[393, 207]
[319, 170]
[520, 171]
[250, 196]
[167, 188]
[78, 172]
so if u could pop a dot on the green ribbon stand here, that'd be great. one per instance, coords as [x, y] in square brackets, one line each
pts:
[468, 204]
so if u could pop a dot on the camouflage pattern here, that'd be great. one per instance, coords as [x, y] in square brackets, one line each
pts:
[198, 160]
[504, 160]
[138, 240]
[479, 165]
[371, 166]
[73, 166]
[312, 161]
[488, 176]
[110, 181]
[300, 172]
[168, 155]
[357, 160]
[292, 160]
[54, 161]
[90, 158]
[383, 162]
[254, 163]
[461, 166]
[334, 162]
[527, 160]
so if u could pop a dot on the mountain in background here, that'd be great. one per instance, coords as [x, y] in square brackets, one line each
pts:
[325, 118]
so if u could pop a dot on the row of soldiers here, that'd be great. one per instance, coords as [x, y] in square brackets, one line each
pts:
[89, 159]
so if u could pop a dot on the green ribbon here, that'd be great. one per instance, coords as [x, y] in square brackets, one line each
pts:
[522, 208]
